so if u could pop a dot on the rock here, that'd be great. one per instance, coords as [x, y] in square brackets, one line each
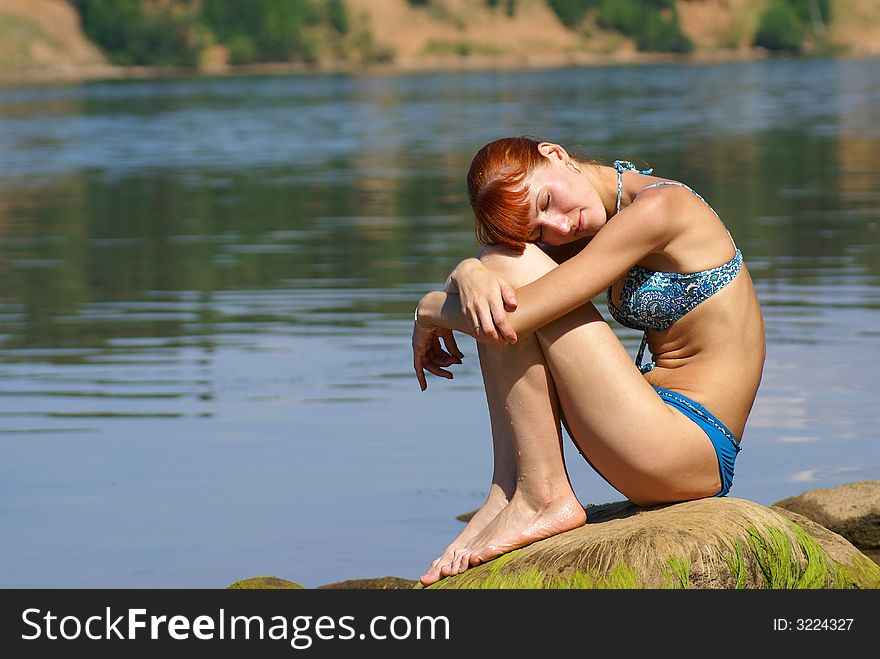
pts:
[263, 583]
[852, 510]
[708, 543]
[379, 583]
[466, 517]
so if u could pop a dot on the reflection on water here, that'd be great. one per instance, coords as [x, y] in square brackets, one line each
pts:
[208, 286]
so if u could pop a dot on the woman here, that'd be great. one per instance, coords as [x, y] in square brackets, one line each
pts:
[661, 432]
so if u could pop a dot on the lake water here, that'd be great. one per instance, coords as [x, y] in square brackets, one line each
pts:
[207, 288]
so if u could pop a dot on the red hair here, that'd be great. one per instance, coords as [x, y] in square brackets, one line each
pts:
[497, 191]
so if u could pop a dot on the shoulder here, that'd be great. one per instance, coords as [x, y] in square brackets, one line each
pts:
[665, 195]
[671, 204]
[656, 210]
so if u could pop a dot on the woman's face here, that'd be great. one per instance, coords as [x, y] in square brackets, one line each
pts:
[563, 204]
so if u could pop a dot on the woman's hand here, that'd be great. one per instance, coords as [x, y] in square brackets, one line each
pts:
[428, 353]
[485, 300]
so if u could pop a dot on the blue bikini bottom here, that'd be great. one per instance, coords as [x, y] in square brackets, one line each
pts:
[726, 445]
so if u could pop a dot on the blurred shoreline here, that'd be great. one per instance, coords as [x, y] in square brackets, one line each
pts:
[59, 42]
[72, 75]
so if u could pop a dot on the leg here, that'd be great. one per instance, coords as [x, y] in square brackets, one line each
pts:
[529, 464]
[503, 475]
[527, 439]
[649, 452]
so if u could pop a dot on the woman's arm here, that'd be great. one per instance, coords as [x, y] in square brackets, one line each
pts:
[561, 253]
[484, 298]
[636, 231]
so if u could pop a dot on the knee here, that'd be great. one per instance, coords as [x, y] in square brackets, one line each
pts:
[517, 269]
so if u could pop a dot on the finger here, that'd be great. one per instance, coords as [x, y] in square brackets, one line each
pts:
[452, 346]
[443, 362]
[418, 366]
[508, 295]
[442, 358]
[502, 322]
[474, 318]
[487, 324]
[436, 370]
[435, 367]
[447, 355]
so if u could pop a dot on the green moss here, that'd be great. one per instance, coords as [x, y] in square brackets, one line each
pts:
[820, 568]
[622, 576]
[773, 551]
[785, 560]
[782, 568]
[264, 583]
[737, 565]
[493, 577]
[678, 572]
[862, 573]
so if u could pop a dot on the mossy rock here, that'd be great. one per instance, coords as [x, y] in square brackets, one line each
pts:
[264, 583]
[378, 583]
[708, 543]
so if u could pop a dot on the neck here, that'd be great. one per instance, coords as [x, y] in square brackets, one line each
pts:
[604, 179]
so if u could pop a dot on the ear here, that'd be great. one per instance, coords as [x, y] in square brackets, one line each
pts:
[553, 152]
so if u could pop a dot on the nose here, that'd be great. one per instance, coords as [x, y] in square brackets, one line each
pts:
[560, 223]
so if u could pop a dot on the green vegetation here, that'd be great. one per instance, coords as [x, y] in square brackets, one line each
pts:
[780, 558]
[132, 32]
[782, 566]
[179, 32]
[509, 5]
[652, 24]
[460, 48]
[785, 24]
[737, 565]
[679, 572]
[618, 578]
[264, 583]
[780, 29]
[262, 30]
[572, 12]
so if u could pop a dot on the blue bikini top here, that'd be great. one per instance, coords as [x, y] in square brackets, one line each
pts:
[651, 300]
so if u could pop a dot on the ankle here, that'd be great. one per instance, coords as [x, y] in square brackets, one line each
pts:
[501, 490]
[542, 493]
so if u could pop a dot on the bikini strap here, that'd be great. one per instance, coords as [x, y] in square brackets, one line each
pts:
[644, 368]
[622, 166]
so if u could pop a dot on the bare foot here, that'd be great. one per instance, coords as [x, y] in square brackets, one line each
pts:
[518, 525]
[495, 503]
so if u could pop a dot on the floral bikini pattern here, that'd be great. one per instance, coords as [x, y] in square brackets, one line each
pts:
[651, 300]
